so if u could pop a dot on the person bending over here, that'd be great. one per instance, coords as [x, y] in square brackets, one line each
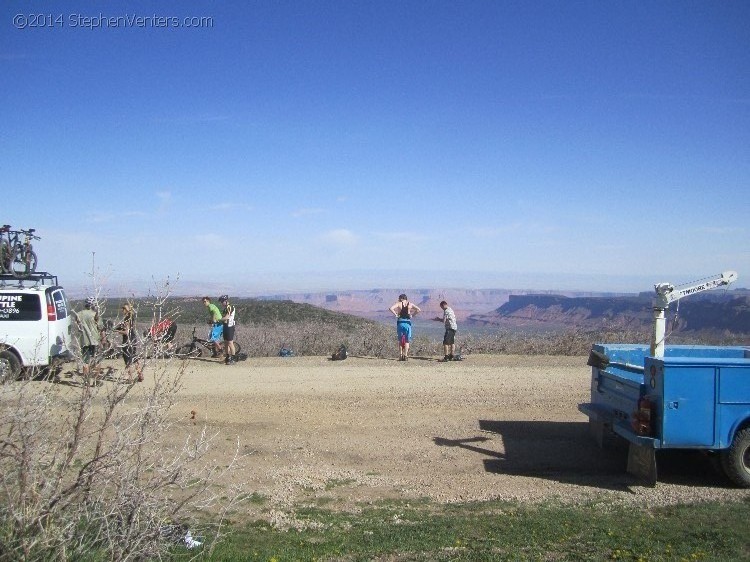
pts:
[449, 338]
[216, 330]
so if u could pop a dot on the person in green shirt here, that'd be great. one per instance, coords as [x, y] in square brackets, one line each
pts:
[217, 328]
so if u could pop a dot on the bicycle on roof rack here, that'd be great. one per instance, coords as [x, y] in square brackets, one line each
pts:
[17, 256]
[194, 348]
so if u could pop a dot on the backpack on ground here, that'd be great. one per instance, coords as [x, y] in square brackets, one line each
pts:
[340, 355]
[286, 352]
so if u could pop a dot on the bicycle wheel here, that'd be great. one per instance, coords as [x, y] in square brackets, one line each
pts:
[4, 257]
[237, 348]
[23, 266]
[188, 351]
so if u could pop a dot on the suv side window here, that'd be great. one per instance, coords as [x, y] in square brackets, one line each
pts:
[20, 307]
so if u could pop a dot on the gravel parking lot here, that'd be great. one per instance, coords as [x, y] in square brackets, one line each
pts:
[363, 429]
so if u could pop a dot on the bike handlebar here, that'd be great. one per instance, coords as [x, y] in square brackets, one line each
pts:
[30, 232]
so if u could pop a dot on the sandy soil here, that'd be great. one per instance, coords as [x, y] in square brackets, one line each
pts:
[363, 429]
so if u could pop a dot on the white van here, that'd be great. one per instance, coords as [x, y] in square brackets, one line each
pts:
[35, 327]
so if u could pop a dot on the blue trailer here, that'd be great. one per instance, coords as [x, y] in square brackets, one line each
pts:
[673, 397]
[694, 397]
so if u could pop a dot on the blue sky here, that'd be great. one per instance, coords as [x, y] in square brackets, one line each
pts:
[325, 145]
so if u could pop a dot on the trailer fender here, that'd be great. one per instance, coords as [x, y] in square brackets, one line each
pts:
[740, 422]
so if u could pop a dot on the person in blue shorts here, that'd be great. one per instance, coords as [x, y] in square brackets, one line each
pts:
[217, 328]
[403, 310]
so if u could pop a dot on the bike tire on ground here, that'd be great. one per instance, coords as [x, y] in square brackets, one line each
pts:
[188, 351]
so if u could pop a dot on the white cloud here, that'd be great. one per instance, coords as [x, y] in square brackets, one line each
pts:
[341, 238]
[221, 207]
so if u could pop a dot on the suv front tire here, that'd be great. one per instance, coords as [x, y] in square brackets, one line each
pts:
[10, 366]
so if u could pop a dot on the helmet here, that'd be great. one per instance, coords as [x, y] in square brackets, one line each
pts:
[90, 302]
[223, 298]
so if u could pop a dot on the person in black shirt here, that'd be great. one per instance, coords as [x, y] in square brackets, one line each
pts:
[403, 310]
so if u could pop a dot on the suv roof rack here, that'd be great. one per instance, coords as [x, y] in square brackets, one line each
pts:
[34, 279]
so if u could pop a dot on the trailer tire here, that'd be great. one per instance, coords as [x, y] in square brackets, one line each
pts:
[736, 459]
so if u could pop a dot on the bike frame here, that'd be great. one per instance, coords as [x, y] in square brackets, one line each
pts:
[197, 343]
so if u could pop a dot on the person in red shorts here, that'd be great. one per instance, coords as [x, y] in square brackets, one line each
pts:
[163, 333]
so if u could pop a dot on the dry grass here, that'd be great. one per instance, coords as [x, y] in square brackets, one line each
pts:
[375, 340]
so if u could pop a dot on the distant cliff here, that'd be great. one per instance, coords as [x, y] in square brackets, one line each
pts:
[374, 303]
[722, 312]
[713, 311]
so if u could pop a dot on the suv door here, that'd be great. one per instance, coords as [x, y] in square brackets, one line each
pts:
[23, 328]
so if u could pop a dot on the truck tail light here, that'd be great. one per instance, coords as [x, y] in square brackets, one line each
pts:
[643, 419]
[51, 313]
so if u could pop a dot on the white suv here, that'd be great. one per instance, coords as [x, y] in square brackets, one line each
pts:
[35, 326]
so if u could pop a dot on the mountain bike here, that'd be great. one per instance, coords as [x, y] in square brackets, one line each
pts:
[17, 256]
[195, 347]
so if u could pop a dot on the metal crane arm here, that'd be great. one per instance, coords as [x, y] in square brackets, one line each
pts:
[667, 293]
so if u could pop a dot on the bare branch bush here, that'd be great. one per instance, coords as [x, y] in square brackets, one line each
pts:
[89, 467]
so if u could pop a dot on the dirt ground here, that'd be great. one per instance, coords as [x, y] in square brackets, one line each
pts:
[363, 429]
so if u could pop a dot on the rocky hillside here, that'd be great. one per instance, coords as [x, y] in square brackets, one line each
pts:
[723, 312]
[714, 311]
[374, 303]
